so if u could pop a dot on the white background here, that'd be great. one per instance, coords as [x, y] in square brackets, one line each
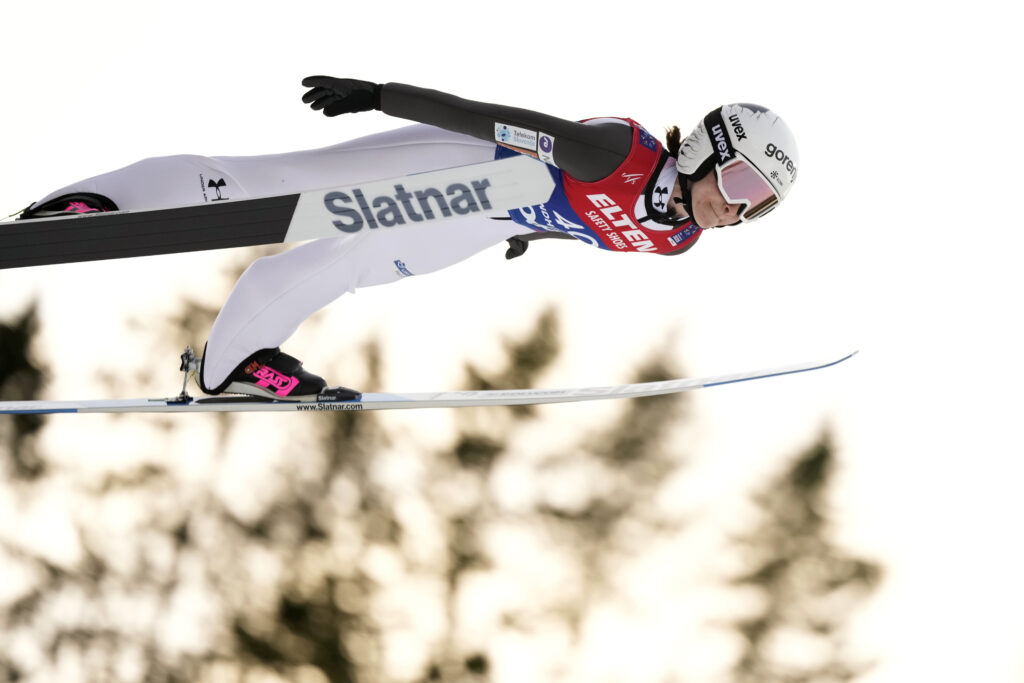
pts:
[901, 239]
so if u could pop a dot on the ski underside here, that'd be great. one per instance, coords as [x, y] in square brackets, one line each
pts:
[384, 401]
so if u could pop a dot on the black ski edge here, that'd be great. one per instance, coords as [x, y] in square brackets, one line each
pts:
[96, 237]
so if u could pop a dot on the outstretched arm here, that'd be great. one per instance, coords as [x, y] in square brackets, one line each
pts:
[586, 152]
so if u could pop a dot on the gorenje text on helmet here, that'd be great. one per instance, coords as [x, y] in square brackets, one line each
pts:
[771, 150]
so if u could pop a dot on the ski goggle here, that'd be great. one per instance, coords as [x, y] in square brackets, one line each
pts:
[741, 183]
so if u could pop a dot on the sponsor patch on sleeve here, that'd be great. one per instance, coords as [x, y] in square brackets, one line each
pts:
[647, 140]
[546, 149]
[515, 136]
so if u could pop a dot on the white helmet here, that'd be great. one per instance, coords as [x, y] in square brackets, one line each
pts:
[752, 151]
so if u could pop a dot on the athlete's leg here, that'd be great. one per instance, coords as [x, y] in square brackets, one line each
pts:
[277, 293]
[184, 179]
[156, 183]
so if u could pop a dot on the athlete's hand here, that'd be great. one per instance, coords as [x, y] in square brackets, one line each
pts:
[340, 95]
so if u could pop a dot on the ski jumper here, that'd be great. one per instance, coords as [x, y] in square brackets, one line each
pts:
[612, 180]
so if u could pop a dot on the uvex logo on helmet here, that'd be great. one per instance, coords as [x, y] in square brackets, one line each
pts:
[737, 127]
[721, 143]
[771, 150]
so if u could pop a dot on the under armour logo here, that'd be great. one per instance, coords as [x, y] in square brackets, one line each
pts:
[631, 178]
[660, 193]
[216, 185]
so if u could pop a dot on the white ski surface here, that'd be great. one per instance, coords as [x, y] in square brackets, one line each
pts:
[449, 399]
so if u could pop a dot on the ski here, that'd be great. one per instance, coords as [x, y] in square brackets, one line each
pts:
[384, 401]
[409, 201]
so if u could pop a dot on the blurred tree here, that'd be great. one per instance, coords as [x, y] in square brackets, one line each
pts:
[21, 379]
[805, 586]
[293, 581]
[337, 548]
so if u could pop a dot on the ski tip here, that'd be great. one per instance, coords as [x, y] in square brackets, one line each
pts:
[780, 372]
[848, 356]
[822, 364]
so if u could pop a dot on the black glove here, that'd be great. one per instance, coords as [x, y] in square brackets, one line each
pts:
[341, 95]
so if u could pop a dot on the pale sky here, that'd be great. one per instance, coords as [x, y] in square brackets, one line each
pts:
[900, 239]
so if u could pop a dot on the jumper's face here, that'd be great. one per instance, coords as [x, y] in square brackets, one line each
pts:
[710, 208]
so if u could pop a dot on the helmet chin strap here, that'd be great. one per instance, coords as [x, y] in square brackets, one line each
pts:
[687, 199]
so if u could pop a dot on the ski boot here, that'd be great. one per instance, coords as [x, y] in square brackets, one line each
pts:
[69, 204]
[273, 375]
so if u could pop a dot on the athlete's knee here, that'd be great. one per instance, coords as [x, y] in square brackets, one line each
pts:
[267, 274]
